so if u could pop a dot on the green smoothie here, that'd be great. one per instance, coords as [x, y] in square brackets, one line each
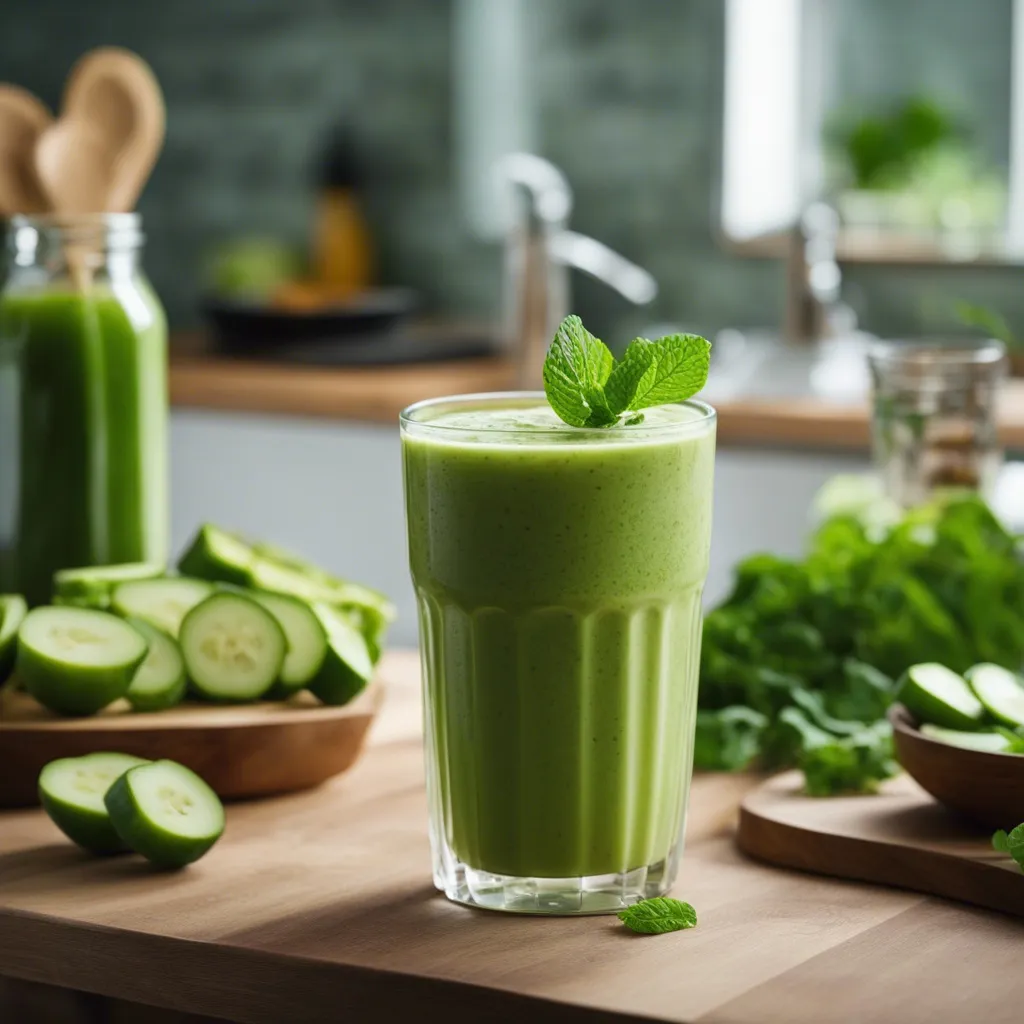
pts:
[88, 376]
[558, 573]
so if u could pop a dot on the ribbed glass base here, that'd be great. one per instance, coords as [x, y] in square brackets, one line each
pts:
[589, 894]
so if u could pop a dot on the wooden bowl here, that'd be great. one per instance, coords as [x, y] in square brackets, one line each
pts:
[987, 788]
[241, 751]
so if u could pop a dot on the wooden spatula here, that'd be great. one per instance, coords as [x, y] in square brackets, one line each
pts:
[23, 118]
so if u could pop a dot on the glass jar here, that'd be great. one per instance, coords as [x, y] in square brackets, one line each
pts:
[83, 401]
[934, 423]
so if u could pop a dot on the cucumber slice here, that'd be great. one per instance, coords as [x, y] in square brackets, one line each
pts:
[71, 791]
[936, 694]
[267, 575]
[91, 586]
[233, 647]
[306, 636]
[160, 681]
[347, 667]
[286, 559]
[216, 554]
[1000, 691]
[165, 812]
[13, 609]
[163, 603]
[991, 742]
[75, 661]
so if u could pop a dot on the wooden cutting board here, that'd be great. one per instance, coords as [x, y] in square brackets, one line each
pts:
[899, 837]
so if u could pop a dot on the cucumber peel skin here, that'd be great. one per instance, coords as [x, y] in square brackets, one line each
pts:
[71, 791]
[157, 685]
[1000, 691]
[348, 667]
[91, 586]
[13, 609]
[152, 808]
[217, 555]
[69, 685]
[936, 694]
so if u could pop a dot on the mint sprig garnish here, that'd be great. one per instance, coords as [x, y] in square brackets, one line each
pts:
[659, 915]
[1011, 843]
[587, 387]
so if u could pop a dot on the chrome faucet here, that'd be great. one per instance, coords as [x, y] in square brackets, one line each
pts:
[813, 278]
[539, 250]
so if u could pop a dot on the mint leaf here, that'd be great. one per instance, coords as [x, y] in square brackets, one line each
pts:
[679, 370]
[659, 915]
[1013, 844]
[575, 371]
[634, 373]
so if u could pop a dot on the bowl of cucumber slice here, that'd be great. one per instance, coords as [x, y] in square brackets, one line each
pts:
[246, 663]
[961, 738]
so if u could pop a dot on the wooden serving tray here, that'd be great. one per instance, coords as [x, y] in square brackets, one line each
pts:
[899, 837]
[241, 751]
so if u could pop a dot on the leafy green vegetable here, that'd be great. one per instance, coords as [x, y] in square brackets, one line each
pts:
[729, 739]
[586, 387]
[814, 645]
[1012, 843]
[659, 915]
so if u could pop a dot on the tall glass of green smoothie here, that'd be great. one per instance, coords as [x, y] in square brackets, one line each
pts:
[558, 572]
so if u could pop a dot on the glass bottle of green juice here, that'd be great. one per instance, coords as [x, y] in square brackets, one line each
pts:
[83, 401]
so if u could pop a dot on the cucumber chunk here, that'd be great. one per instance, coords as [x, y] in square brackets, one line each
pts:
[347, 667]
[163, 603]
[165, 812]
[91, 586]
[306, 637]
[75, 661]
[936, 694]
[1000, 691]
[160, 681]
[991, 742]
[71, 791]
[233, 647]
[216, 554]
[13, 609]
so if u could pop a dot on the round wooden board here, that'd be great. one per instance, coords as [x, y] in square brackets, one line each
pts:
[899, 836]
[241, 751]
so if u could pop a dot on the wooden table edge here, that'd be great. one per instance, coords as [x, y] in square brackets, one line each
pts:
[255, 986]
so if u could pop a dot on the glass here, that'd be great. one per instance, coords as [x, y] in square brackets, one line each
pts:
[83, 401]
[558, 574]
[934, 422]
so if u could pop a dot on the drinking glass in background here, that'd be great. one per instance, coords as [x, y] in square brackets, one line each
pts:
[558, 574]
[934, 421]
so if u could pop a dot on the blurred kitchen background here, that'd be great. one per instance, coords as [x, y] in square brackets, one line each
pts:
[786, 170]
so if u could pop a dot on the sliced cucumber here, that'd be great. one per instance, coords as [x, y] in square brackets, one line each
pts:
[1000, 691]
[267, 575]
[306, 636]
[75, 661]
[347, 667]
[160, 681]
[991, 742]
[164, 603]
[936, 694]
[91, 586]
[233, 647]
[295, 563]
[216, 554]
[71, 791]
[164, 811]
[13, 609]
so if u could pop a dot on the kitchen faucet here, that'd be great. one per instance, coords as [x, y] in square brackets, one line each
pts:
[539, 250]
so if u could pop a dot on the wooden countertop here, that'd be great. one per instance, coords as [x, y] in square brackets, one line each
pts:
[319, 907]
[378, 394]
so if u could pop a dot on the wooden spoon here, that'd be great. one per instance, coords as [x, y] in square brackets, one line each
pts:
[75, 167]
[23, 119]
[116, 92]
